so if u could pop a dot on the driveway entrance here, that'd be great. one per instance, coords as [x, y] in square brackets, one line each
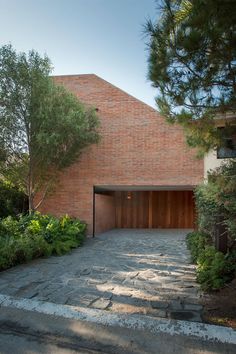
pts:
[124, 270]
[143, 207]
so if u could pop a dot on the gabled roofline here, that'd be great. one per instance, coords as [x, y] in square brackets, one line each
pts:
[113, 86]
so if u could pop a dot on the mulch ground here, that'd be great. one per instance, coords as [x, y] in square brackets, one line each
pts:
[220, 306]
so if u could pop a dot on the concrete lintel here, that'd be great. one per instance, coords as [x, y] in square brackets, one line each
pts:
[141, 188]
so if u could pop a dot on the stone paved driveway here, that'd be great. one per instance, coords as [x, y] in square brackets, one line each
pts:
[129, 271]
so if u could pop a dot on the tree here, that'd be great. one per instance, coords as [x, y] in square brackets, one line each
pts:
[192, 63]
[43, 127]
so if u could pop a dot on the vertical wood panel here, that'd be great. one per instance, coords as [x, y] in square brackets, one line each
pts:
[140, 210]
[118, 209]
[185, 210]
[146, 209]
[155, 209]
[168, 204]
[129, 214]
[173, 209]
[134, 221]
[150, 210]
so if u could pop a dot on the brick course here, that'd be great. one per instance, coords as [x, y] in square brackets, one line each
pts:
[137, 148]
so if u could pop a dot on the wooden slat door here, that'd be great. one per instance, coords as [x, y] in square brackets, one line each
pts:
[133, 212]
[155, 209]
[173, 209]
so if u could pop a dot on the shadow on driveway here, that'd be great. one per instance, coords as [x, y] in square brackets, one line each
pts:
[123, 270]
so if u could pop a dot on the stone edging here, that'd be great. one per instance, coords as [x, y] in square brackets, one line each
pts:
[140, 322]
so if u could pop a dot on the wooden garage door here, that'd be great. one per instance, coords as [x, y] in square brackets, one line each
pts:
[157, 209]
[172, 209]
[132, 209]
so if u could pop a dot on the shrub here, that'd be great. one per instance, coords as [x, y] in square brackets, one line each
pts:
[37, 235]
[213, 199]
[23, 249]
[207, 207]
[12, 200]
[214, 268]
[218, 197]
[196, 242]
[9, 227]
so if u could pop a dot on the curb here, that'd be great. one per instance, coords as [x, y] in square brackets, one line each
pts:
[202, 331]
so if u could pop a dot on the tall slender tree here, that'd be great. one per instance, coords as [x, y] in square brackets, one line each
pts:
[43, 127]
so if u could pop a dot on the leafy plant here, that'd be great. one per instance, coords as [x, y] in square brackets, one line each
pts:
[9, 227]
[218, 197]
[214, 268]
[36, 235]
[196, 242]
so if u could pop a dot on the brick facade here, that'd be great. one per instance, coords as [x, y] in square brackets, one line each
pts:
[137, 148]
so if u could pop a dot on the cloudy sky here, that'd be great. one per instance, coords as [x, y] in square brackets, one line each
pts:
[104, 37]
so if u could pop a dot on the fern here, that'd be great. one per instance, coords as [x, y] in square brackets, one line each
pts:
[37, 235]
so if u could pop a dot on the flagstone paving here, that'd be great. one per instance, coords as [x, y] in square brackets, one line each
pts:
[123, 270]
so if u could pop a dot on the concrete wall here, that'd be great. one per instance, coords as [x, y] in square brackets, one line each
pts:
[105, 213]
[211, 162]
[137, 147]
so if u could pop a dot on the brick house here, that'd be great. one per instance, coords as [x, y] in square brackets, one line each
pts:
[140, 175]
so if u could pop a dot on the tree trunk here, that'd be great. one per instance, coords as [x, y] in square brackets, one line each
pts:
[221, 235]
[47, 187]
[30, 191]
[30, 183]
[31, 203]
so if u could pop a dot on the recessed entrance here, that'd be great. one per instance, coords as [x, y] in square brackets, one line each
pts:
[137, 207]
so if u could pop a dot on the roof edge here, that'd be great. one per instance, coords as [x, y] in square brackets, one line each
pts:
[112, 85]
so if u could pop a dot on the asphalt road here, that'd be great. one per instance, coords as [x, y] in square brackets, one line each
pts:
[24, 332]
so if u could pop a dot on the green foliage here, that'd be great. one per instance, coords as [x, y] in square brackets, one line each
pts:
[207, 207]
[12, 200]
[218, 197]
[9, 227]
[214, 268]
[196, 242]
[215, 199]
[37, 235]
[192, 64]
[43, 127]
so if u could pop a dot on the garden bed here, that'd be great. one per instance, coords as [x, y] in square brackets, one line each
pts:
[32, 236]
[220, 306]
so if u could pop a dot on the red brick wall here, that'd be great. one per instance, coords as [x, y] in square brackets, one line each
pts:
[137, 148]
[105, 213]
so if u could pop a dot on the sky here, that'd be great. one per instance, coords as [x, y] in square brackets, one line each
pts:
[104, 37]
